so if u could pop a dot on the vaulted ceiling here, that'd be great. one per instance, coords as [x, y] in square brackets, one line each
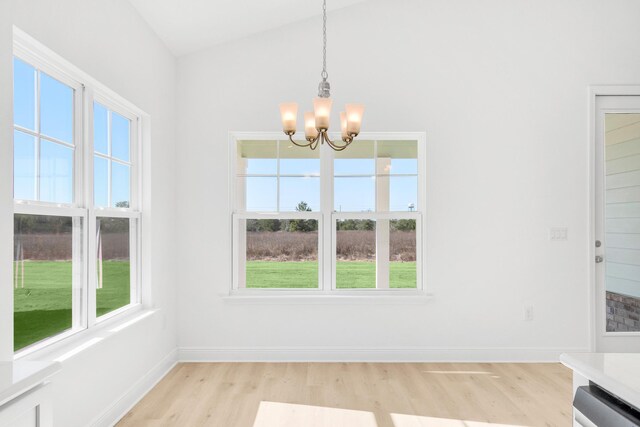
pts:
[187, 26]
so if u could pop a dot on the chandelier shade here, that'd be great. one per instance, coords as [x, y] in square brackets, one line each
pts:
[354, 117]
[289, 113]
[310, 130]
[316, 123]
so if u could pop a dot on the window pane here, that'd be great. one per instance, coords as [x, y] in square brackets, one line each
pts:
[120, 185]
[397, 193]
[403, 156]
[56, 172]
[100, 181]
[281, 253]
[100, 129]
[56, 109]
[299, 194]
[305, 167]
[402, 253]
[24, 95]
[296, 160]
[24, 166]
[404, 166]
[622, 240]
[354, 194]
[42, 277]
[113, 270]
[257, 158]
[358, 159]
[261, 194]
[356, 253]
[120, 134]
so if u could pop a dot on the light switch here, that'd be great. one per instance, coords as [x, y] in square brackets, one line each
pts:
[558, 233]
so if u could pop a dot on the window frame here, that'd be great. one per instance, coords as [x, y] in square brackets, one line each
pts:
[86, 91]
[327, 218]
[133, 212]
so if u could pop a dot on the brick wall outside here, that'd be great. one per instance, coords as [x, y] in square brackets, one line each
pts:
[623, 313]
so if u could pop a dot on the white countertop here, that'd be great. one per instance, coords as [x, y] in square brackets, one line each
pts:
[18, 377]
[618, 373]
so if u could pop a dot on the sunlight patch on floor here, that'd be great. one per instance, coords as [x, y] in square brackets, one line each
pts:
[402, 420]
[275, 414]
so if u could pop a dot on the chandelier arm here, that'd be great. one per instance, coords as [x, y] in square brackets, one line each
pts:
[333, 145]
[309, 143]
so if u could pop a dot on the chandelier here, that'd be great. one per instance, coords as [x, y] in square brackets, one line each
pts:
[316, 123]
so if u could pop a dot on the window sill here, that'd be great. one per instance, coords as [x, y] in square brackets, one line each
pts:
[335, 298]
[72, 343]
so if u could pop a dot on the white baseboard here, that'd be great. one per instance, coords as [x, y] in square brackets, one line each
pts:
[338, 354]
[128, 400]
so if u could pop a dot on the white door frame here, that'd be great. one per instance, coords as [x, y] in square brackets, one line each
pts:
[594, 92]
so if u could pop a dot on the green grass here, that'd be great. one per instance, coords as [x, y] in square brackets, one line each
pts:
[116, 289]
[304, 274]
[276, 274]
[43, 307]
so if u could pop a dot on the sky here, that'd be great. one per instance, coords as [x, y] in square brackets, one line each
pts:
[45, 163]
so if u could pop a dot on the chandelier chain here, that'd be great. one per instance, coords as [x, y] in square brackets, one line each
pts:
[324, 73]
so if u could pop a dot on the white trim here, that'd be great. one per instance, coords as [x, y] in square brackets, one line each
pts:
[360, 354]
[48, 210]
[116, 213]
[278, 215]
[120, 407]
[336, 297]
[377, 215]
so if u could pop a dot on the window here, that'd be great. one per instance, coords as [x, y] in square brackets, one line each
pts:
[76, 216]
[325, 221]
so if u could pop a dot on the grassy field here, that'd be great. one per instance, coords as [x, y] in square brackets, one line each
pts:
[43, 307]
[304, 274]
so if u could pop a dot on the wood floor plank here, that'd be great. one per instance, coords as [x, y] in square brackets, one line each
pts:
[357, 395]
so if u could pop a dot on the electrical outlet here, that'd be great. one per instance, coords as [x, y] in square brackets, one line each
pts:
[558, 233]
[528, 313]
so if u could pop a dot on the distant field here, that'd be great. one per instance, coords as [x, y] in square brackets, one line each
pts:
[304, 274]
[43, 307]
[351, 245]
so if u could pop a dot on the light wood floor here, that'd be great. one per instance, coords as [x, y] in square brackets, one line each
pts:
[358, 395]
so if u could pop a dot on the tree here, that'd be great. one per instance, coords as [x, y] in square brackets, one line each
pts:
[263, 225]
[356, 224]
[303, 225]
[403, 224]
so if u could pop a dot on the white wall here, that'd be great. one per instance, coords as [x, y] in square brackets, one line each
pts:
[111, 42]
[500, 86]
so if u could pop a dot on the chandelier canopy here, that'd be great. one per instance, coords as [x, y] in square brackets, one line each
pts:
[316, 123]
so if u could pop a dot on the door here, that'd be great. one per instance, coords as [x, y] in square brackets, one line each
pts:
[617, 223]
